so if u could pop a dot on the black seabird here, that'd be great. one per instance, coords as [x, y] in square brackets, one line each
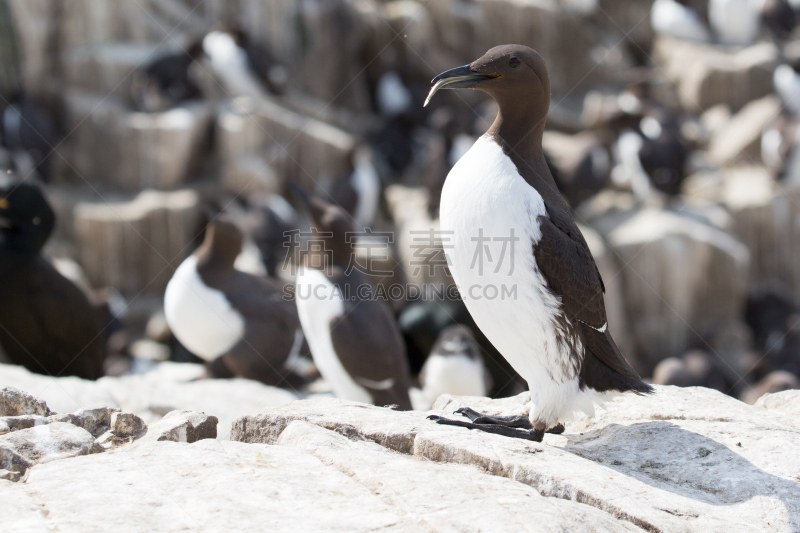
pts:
[46, 322]
[354, 339]
[167, 81]
[543, 306]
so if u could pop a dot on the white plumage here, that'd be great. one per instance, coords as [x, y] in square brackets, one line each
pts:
[485, 191]
[735, 22]
[366, 182]
[671, 18]
[457, 374]
[200, 317]
[392, 95]
[229, 62]
[319, 302]
[787, 84]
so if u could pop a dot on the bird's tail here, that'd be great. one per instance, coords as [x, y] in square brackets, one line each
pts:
[605, 368]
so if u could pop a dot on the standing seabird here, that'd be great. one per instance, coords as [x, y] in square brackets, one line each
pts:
[218, 312]
[354, 339]
[46, 322]
[455, 366]
[551, 324]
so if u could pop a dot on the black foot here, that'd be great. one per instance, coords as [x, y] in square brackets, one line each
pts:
[527, 434]
[508, 421]
[558, 429]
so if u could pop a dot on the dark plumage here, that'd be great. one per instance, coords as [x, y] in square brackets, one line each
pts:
[766, 313]
[46, 323]
[26, 126]
[363, 333]
[167, 81]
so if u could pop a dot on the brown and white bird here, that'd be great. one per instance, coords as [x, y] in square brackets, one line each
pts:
[542, 307]
[354, 339]
[239, 323]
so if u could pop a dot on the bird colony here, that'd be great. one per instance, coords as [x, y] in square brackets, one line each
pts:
[223, 207]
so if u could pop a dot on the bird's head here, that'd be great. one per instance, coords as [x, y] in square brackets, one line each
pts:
[333, 224]
[512, 74]
[222, 243]
[26, 218]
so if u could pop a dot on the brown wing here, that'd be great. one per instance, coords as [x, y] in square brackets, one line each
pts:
[369, 345]
[571, 273]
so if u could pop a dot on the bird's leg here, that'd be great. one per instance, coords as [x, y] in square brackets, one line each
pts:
[513, 421]
[527, 434]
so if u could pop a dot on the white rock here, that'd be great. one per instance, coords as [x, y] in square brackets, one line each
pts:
[63, 395]
[445, 497]
[182, 426]
[680, 278]
[704, 76]
[15, 423]
[21, 449]
[174, 386]
[740, 139]
[786, 402]
[130, 244]
[20, 511]
[208, 485]
[682, 460]
[14, 402]
[94, 419]
[766, 218]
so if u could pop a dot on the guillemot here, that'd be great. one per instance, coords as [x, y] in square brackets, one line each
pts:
[168, 81]
[455, 366]
[47, 324]
[237, 322]
[551, 325]
[354, 339]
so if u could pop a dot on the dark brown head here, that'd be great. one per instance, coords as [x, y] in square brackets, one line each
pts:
[333, 224]
[222, 244]
[514, 75]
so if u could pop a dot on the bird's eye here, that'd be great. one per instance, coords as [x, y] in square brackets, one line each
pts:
[514, 62]
[37, 221]
[3, 203]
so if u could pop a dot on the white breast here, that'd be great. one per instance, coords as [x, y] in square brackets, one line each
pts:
[201, 318]
[459, 375]
[485, 191]
[512, 306]
[319, 302]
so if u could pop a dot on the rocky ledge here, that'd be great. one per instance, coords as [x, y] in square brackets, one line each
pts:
[686, 459]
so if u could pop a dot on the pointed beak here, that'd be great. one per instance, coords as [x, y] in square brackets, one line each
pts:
[457, 78]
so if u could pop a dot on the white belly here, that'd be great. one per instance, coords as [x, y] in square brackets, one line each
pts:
[459, 375]
[318, 303]
[513, 307]
[201, 318]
